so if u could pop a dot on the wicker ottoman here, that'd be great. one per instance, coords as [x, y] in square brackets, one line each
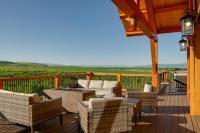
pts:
[70, 97]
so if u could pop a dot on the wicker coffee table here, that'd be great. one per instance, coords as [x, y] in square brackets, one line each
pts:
[70, 97]
[136, 105]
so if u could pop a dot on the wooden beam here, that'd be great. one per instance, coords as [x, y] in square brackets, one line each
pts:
[130, 8]
[150, 13]
[169, 29]
[170, 8]
[159, 31]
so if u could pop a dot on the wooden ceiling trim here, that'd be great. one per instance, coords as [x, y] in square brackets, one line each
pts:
[135, 33]
[130, 8]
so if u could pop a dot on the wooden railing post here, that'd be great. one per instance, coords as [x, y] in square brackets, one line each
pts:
[57, 82]
[89, 75]
[1, 84]
[119, 78]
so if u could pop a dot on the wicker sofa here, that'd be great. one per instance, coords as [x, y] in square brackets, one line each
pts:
[100, 115]
[26, 109]
[101, 87]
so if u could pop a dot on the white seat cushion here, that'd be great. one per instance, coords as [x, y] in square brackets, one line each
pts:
[110, 95]
[83, 83]
[148, 88]
[96, 84]
[110, 84]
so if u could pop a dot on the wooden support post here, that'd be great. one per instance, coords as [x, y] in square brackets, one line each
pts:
[188, 72]
[194, 72]
[57, 82]
[1, 84]
[89, 75]
[154, 58]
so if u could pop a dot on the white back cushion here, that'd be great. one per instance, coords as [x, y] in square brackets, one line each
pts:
[96, 84]
[110, 84]
[83, 83]
[148, 88]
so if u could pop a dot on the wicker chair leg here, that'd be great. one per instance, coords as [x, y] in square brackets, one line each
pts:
[32, 130]
[79, 126]
[156, 109]
[61, 119]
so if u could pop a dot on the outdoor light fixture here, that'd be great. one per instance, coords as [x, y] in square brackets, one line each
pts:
[183, 43]
[130, 20]
[187, 23]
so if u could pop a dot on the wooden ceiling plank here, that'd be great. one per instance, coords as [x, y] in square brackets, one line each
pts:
[130, 8]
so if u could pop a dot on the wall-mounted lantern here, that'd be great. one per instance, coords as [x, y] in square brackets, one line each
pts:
[183, 43]
[187, 25]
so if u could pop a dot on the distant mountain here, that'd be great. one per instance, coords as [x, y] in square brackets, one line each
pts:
[6, 63]
[51, 64]
[181, 65]
[3, 63]
[30, 64]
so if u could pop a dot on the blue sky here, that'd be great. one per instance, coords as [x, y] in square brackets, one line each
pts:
[75, 32]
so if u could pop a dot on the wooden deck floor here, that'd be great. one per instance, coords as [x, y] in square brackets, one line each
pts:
[172, 117]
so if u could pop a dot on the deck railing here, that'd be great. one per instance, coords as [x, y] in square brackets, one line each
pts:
[128, 81]
[36, 84]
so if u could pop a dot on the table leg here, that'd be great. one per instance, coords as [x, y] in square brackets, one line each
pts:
[135, 119]
[140, 114]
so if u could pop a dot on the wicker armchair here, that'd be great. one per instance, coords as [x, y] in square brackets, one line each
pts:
[105, 115]
[20, 108]
[147, 98]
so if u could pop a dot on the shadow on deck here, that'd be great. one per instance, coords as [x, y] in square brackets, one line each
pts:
[172, 117]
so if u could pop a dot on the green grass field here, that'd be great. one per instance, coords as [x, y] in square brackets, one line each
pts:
[21, 71]
[37, 85]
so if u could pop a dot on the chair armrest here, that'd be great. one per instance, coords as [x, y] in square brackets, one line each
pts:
[117, 90]
[45, 110]
[84, 116]
[83, 110]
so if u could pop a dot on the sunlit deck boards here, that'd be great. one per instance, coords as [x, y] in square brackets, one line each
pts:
[173, 117]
